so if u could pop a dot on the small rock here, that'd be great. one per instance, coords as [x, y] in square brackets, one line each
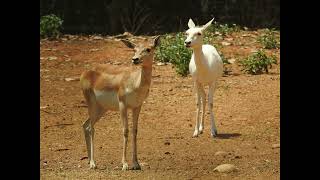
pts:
[254, 51]
[167, 153]
[97, 38]
[274, 146]
[42, 58]
[93, 50]
[161, 64]
[225, 43]
[225, 168]
[167, 143]
[72, 79]
[84, 158]
[117, 63]
[229, 39]
[144, 164]
[221, 153]
[79, 166]
[232, 60]
[43, 107]
[52, 58]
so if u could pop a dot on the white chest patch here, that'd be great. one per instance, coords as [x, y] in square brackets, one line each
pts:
[108, 99]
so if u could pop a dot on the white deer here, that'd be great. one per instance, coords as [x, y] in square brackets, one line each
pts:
[108, 88]
[205, 67]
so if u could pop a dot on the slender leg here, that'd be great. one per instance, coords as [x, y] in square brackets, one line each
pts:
[198, 101]
[88, 127]
[203, 101]
[135, 118]
[214, 131]
[124, 119]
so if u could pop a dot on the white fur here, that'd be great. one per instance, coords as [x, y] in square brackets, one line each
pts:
[205, 68]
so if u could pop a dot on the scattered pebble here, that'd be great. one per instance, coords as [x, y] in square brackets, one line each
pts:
[52, 58]
[225, 168]
[274, 146]
[232, 60]
[221, 153]
[71, 79]
[225, 43]
[97, 38]
[161, 64]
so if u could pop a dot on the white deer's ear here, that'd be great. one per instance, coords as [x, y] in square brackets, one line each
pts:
[208, 24]
[191, 24]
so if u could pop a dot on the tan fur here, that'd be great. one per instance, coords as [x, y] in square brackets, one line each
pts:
[107, 87]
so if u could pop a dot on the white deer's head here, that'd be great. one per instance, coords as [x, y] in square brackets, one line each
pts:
[195, 34]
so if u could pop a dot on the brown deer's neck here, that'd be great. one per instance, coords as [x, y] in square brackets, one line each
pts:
[146, 73]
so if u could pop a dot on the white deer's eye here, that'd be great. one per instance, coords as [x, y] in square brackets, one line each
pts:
[199, 34]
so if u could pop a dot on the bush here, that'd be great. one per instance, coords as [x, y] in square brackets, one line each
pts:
[268, 40]
[172, 49]
[257, 63]
[223, 29]
[50, 26]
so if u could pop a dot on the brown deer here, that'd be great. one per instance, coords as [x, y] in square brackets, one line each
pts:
[108, 88]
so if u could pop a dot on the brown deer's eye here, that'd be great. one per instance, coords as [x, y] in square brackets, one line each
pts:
[199, 34]
[148, 49]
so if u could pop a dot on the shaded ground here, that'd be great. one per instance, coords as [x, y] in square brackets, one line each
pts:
[246, 107]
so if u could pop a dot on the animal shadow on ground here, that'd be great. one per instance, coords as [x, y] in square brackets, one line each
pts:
[227, 135]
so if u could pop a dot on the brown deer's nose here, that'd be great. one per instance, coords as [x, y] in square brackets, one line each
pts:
[135, 60]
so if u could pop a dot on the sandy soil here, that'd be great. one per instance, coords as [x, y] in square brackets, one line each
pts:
[246, 107]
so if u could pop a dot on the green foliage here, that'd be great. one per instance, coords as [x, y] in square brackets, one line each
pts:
[258, 62]
[172, 49]
[223, 29]
[50, 26]
[268, 40]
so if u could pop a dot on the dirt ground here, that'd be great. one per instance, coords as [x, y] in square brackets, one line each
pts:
[246, 107]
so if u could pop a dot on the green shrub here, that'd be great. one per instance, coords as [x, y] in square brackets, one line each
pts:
[257, 63]
[50, 26]
[172, 49]
[268, 40]
[223, 29]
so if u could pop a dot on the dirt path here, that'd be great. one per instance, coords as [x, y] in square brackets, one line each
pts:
[246, 107]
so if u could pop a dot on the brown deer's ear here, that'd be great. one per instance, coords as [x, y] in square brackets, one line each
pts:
[156, 41]
[128, 43]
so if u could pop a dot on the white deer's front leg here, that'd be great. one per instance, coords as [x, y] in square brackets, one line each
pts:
[124, 119]
[198, 101]
[214, 131]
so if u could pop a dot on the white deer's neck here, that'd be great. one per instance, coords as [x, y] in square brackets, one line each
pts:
[198, 56]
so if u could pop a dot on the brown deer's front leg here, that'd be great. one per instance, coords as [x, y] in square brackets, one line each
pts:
[124, 119]
[135, 118]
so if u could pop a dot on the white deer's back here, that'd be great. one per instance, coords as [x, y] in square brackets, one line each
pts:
[212, 67]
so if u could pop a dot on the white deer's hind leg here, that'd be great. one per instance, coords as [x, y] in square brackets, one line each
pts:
[214, 131]
[203, 101]
[135, 118]
[124, 119]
